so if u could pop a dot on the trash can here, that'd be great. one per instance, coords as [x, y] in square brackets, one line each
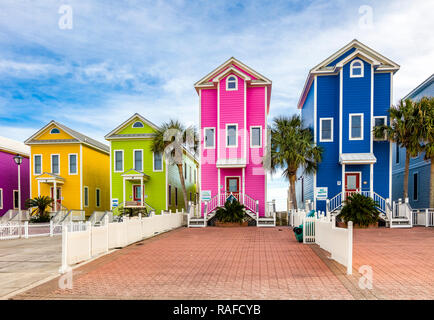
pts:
[298, 232]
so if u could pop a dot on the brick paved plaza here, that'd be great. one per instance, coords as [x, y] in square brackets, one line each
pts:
[253, 263]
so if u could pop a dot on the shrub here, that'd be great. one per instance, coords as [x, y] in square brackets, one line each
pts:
[360, 210]
[232, 211]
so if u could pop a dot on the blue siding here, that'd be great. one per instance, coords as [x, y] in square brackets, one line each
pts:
[342, 56]
[356, 99]
[382, 94]
[307, 113]
[366, 174]
[381, 168]
[329, 170]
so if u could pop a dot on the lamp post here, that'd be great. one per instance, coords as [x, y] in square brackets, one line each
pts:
[18, 160]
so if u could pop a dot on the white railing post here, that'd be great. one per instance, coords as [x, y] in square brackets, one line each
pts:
[89, 233]
[350, 248]
[327, 206]
[426, 217]
[304, 229]
[51, 228]
[106, 222]
[64, 266]
[333, 222]
[26, 229]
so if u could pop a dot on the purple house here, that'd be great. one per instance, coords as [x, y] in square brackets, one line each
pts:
[9, 195]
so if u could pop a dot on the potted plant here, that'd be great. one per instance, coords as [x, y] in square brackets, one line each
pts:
[231, 214]
[359, 209]
[40, 204]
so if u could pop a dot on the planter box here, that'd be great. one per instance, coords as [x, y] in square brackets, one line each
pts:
[356, 226]
[231, 224]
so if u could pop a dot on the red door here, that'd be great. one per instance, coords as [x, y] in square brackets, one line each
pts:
[233, 186]
[56, 206]
[136, 196]
[352, 183]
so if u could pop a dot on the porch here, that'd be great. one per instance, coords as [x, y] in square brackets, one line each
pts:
[133, 190]
[55, 183]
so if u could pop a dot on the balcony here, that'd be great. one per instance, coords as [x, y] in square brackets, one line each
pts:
[231, 163]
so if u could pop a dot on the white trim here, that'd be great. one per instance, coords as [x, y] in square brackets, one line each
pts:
[13, 199]
[390, 144]
[204, 137]
[153, 163]
[371, 126]
[371, 179]
[236, 135]
[219, 183]
[344, 182]
[1, 198]
[218, 121]
[132, 125]
[350, 115]
[111, 182]
[200, 151]
[239, 184]
[320, 130]
[362, 69]
[245, 120]
[227, 83]
[134, 159]
[114, 162]
[125, 123]
[84, 198]
[341, 88]
[167, 186]
[265, 141]
[315, 131]
[260, 137]
[76, 164]
[96, 198]
[34, 172]
[81, 177]
[51, 163]
[385, 122]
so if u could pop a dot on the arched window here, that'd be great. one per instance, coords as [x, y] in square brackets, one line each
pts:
[231, 83]
[138, 124]
[356, 69]
[55, 130]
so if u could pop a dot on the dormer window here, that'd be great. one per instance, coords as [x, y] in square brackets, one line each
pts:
[54, 130]
[138, 124]
[356, 69]
[231, 83]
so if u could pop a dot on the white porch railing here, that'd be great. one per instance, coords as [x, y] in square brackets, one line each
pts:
[14, 230]
[217, 201]
[336, 202]
[423, 217]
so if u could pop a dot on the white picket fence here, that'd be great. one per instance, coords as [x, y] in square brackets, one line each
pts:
[15, 230]
[82, 241]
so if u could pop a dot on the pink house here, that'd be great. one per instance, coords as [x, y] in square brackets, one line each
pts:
[234, 105]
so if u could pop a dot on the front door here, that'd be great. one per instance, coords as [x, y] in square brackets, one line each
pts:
[136, 192]
[56, 206]
[233, 186]
[352, 183]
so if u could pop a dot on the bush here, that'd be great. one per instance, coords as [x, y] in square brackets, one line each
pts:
[232, 211]
[38, 218]
[360, 210]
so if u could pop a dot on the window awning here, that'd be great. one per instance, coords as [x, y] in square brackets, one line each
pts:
[357, 158]
[133, 174]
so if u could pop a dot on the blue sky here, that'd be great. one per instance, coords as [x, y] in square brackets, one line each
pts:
[122, 57]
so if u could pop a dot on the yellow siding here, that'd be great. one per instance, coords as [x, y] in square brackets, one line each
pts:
[71, 187]
[46, 135]
[96, 174]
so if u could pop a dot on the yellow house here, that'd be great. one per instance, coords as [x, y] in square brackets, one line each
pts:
[69, 167]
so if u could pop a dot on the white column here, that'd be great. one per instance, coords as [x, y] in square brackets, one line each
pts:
[343, 182]
[19, 190]
[142, 195]
[244, 184]
[55, 195]
[39, 188]
[218, 187]
[123, 190]
[371, 180]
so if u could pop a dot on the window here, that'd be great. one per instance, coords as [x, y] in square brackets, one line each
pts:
[16, 201]
[396, 153]
[158, 162]
[231, 135]
[185, 171]
[86, 196]
[415, 186]
[176, 196]
[255, 137]
[37, 164]
[356, 126]
[72, 163]
[1, 198]
[55, 168]
[356, 69]
[231, 83]
[138, 160]
[209, 134]
[138, 124]
[54, 131]
[380, 121]
[119, 160]
[326, 130]
[170, 194]
[98, 197]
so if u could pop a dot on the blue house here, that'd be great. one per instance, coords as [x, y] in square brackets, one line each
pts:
[343, 98]
[419, 173]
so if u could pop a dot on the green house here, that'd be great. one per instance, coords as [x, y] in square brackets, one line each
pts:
[141, 179]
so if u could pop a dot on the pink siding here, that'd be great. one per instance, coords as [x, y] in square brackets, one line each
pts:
[232, 111]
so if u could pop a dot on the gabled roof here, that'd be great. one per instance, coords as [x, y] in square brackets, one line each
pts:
[113, 134]
[13, 146]
[420, 87]
[78, 138]
[210, 80]
[333, 63]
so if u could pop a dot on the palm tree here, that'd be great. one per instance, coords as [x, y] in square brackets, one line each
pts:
[292, 147]
[173, 138]
[405, 131]
[40, 204]
[427, 118]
